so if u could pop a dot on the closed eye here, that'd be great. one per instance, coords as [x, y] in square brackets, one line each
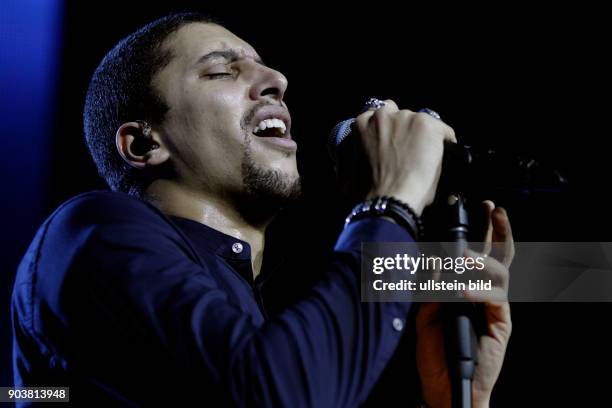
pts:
[218, 75]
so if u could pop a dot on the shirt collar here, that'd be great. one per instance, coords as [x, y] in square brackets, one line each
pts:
[213, 240]
[235, 251]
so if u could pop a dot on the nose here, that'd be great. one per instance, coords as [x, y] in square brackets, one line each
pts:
[270, 84]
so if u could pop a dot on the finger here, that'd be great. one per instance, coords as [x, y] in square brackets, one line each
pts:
[449, 134]
[365, 117]
[494, 296]
[484, 228]
[502, 239]
[429, 125]
[380, 115]
[489, 206]
[391, 105]
[447, 131]
[493, 270]
[499, 321]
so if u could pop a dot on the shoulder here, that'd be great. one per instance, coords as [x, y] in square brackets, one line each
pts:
[116, 215]
[95, 235]
[103, 207]
[116, 218]
[92, 230]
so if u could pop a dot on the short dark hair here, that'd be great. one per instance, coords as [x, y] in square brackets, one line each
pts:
[121, 91]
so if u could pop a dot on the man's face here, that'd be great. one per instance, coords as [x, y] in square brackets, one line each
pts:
[221, 97]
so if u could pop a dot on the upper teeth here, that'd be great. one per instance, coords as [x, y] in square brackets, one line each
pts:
[271, 123]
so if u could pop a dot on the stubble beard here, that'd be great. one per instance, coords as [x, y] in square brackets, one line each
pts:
[265, 191]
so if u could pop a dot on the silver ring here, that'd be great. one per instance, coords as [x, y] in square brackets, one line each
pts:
[432, 113]
[373, 103]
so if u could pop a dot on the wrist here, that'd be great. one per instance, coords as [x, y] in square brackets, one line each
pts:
[409, 199]
[389, 207]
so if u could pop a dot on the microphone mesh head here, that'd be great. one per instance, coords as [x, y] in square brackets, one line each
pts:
[338, 134]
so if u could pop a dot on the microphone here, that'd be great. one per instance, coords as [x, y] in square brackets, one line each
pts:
[483, 172]
[454, 154]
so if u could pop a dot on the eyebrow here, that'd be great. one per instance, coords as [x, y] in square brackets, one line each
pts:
[230, 55]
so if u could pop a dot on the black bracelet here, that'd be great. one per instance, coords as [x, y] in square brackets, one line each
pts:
[389, 207]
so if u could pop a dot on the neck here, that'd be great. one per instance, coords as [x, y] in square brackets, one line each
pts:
[216, 212]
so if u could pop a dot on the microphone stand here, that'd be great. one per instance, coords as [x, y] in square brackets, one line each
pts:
[459, 316]
[462, 319]
[460, 336]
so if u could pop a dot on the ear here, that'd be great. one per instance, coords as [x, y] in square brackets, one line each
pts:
[138, 148]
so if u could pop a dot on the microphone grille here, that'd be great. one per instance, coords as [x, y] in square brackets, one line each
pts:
[338, 134]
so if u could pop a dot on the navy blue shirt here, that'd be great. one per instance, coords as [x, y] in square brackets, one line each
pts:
[131, 307]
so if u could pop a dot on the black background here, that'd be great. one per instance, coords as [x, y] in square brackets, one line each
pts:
[526, 80]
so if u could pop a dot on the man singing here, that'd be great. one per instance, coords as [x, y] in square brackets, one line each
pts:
[151, 293]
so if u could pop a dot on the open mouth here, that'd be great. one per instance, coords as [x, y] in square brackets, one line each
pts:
[271, 128]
